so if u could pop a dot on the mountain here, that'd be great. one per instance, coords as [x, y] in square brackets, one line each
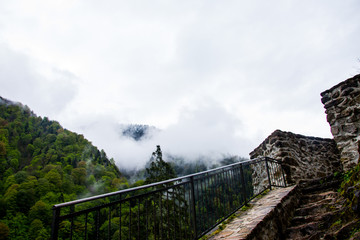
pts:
[137, 132]
[42, 164]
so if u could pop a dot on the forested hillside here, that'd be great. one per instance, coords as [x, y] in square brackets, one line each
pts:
[42, 164]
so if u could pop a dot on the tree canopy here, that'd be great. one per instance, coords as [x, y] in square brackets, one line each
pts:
[42, 164]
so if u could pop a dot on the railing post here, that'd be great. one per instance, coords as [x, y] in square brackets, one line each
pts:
[55, 223]
[243, 184]
[193, 207]
[282, 171]
[267, 170]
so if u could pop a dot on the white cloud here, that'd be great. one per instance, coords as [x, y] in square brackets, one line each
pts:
[262, 63]
[43, 89]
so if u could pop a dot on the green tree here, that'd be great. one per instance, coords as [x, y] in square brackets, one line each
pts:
[4, 231]
[167, 203]
[159, 170]
[41, 211]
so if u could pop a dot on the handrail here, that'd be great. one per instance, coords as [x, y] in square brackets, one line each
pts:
[200, 201]
[82, 200]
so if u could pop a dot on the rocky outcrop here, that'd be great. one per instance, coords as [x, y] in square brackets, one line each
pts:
[342, 104]
[303, 158]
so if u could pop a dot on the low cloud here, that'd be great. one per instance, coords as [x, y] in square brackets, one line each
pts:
[205, 131]
[45, 89]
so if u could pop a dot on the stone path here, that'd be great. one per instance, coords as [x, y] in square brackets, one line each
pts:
[247, 225]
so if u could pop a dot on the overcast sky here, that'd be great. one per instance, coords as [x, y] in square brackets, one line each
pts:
[217, 77]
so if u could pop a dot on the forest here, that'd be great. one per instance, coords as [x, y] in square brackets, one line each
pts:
[42, 164]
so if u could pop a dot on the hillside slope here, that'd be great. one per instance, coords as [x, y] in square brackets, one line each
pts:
[42, 164]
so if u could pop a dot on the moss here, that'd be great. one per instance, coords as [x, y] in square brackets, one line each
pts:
[348, 201]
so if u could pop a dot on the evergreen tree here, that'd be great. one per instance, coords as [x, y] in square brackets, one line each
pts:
[168, 207]
[159, 170]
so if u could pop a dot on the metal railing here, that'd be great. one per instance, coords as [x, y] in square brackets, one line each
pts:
[181, 208]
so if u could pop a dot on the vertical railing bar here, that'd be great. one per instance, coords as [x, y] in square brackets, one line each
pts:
[193, 205]
[223, 193]
[207, 190]
[198, 205]
[203, 198]
[218, 207]
[233, 189]
[283, 174]
[182, 213]
[274, 167]
[229, 189]
[190, 218]
[120, 221]
[161, 216]
[267, 170]
[174, 213]
[168, 214]
[72, 210]
[138, 218]
[243, 184]
[154, 217]
[130, 219]
[278, 173]
[203, 204]
[55, 223]
[271, 173]
[97, 223]
[86, 221]
[146, 218]
[237, 184]
[273, 170]
[215, 198]
[109, 223]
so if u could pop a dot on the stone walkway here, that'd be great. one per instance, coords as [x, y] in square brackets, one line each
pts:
[247, 225]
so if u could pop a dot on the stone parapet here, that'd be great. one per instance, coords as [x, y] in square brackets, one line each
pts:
[342, 104]
[303, 158]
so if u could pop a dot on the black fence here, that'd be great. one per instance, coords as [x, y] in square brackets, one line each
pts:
[181, 208]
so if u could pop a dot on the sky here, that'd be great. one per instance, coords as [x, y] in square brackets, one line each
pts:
[216, 77]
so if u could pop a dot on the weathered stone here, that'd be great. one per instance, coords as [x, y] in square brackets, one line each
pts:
[342, 104]
[334, 130]
[349, 128]
[333, 103]
[302, 157]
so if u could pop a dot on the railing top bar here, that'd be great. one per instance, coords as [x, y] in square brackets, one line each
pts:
[155, 184]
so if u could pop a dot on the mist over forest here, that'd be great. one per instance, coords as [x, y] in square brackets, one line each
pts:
[42, 164]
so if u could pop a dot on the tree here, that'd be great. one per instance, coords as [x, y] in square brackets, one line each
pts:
[167, 203]
[4, 231]
[41, 211]
[159, 170]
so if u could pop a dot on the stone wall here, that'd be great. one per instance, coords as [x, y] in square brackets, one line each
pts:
[342, 104]
[304, 158]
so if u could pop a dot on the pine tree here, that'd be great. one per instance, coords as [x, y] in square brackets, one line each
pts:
[159, 170]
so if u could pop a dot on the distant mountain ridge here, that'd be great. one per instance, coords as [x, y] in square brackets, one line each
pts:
[137, 132]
